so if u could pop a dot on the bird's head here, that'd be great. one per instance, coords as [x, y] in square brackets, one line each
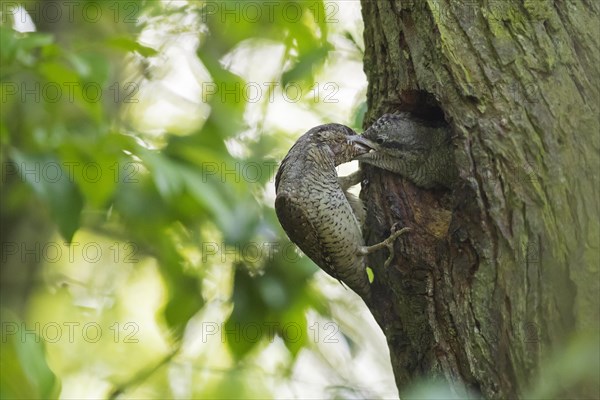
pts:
[402, 136]
[344, 143]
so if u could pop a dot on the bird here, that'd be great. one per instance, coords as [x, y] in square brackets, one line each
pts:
[419, 150]
[315, 209]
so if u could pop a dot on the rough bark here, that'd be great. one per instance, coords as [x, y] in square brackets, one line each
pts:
[501, 271]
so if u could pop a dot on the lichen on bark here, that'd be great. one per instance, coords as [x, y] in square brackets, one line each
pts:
[515, 275]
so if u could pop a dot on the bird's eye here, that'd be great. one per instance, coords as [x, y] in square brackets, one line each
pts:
[379, 140]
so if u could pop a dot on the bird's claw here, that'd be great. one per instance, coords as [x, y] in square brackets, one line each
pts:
[389, 242]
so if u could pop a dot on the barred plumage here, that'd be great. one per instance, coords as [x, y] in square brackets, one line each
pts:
[414, 148]
[313, 207]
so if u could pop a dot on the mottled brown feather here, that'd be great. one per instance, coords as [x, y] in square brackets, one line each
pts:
[300, 229]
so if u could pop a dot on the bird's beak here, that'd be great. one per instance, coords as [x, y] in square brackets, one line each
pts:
[361, 145]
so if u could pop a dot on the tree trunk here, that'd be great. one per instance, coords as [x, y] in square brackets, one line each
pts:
[500, 272]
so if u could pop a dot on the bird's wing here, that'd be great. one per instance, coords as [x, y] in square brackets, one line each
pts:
[300, 229]
[282, 167]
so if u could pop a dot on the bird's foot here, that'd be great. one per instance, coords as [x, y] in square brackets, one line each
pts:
[389, 243]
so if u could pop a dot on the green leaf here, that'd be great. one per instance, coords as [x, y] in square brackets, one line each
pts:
[166, 174]
[294, 330]
[53, 184]
[185, 300]
[8, 45]
[245, 326]
[303, 70]
[226, 96]
[24, 372]
[184, 289]
[19, 46]
[92, 67]
[174, 178]
[233, 384]
[57, 73]
[273, 292]
[32, 40]
[129, 44]
[97, 170]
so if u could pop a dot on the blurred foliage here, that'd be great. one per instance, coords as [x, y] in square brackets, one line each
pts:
[73, 161]
[29, 376]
